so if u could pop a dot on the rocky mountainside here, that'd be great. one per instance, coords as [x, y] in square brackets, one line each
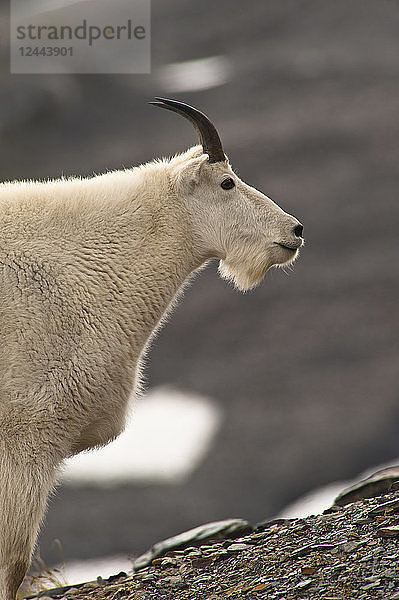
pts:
[348, 553]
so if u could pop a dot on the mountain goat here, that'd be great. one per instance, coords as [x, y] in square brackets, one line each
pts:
[88, 268]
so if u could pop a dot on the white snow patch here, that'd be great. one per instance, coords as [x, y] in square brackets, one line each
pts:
[195, 75]
[166, 438]
[315, 502]
[318, 500]
[88, 570]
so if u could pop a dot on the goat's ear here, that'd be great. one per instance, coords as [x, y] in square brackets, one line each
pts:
[189, 174]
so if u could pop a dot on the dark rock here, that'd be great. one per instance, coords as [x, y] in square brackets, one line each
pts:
[269, 523]
[308, 570]
[202, 561]
[384, 508]
[385, 532]
[117, 576]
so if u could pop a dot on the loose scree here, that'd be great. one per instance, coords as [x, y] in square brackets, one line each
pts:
[88, 269]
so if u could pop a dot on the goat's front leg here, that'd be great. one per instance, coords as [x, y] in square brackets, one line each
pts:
[26, 477]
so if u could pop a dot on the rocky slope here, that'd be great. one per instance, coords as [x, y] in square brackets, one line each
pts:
[349, 552]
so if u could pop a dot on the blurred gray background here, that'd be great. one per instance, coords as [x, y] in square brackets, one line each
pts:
[306, 366]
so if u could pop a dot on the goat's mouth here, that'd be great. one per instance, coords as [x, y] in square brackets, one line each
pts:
[287, 253]
[292, 248]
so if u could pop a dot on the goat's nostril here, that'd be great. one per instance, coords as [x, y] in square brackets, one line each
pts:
[298, 230]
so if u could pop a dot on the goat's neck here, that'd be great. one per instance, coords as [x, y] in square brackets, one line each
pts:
[159, 265]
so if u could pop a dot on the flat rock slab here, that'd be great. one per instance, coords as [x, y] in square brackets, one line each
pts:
[215, 531]
[378, 483]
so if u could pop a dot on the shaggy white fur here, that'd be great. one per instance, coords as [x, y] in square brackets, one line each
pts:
[88, 270]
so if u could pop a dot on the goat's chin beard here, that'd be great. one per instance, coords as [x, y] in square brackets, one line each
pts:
[247, 276]
[244, 279]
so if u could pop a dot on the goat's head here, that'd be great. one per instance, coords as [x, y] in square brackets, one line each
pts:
[235, 222]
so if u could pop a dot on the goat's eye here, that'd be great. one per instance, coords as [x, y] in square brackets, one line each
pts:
[227, 184]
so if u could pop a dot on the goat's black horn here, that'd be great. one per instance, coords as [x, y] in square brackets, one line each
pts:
[207, 133]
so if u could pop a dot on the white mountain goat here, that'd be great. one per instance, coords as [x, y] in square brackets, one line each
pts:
[88, 269]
